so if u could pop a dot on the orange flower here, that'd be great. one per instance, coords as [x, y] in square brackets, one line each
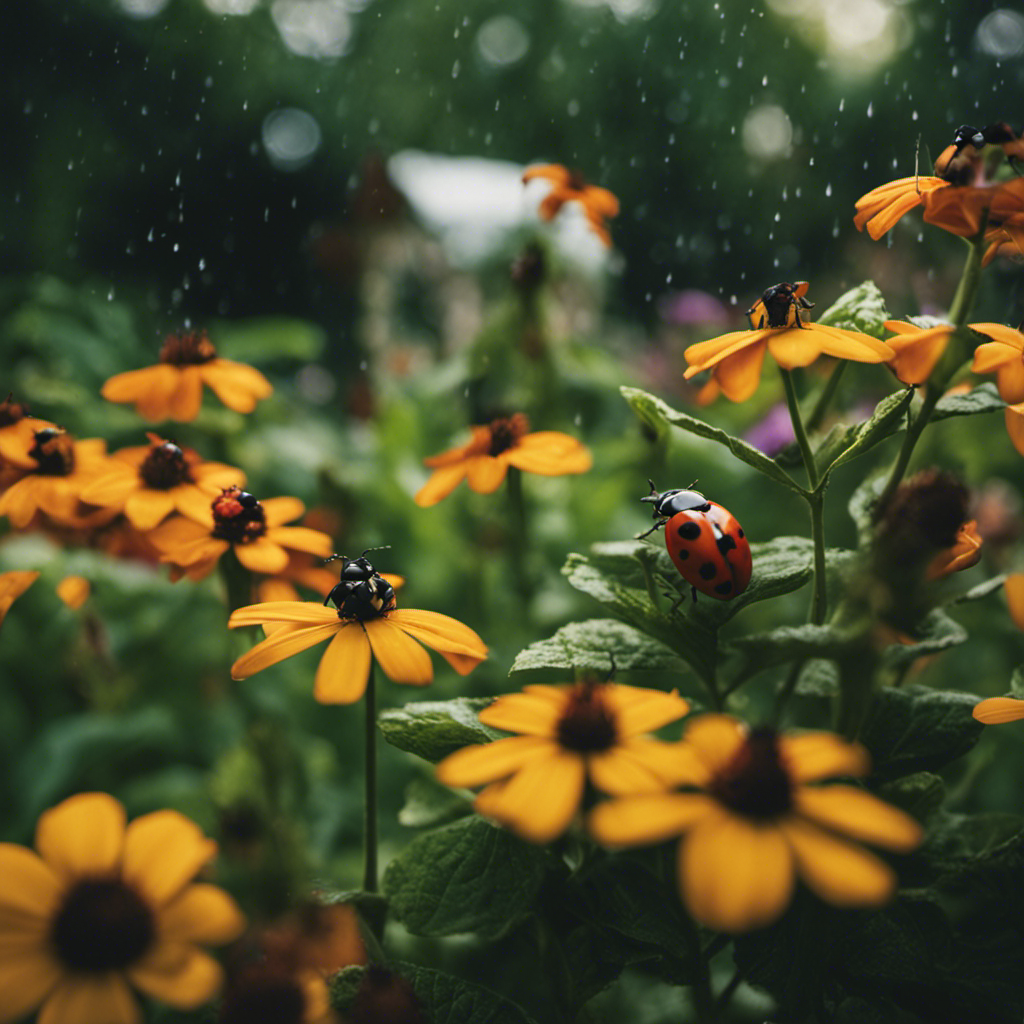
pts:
[1004, 356]
[962, 211]
[306, 571]
[366, 624]
[569, 186]
[74, 591]
[735, 359]
[879, 209]
[173, 389]
[966, 552]
[567, 734]
[104, 907]
[919, 349]
[236, 519]
[12, 586]
[61, 469]
[756, 822]
[484, 461]
[150, 482]
[17, 436]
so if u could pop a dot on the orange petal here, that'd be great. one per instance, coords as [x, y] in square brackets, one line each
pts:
[795, 346]
[639, 710]
[735, 874]
[187, 399]
[145, 508]
[30, 888]
[441, 483]
[182, 977]
[301, 538]
[485, 473]
[89, 999]
[1014, 589]
[648, 819]
[84, 835]
[400, 657]
[441, 632]
[843, 344]
[202, 913]
[262, 555]
[738, 376]
[1013, 417]
[309, 613]
[482, 763]
[716, 739]
[344, 669]
[238, 386]
[706, 354]
[163, 852]
[279, 511]
[811, 756]
[996, 710]
[151, 389]
[917, 354]
[281, 645]
[26, 979]
[525, 713]
[637, 766]
[856, 813]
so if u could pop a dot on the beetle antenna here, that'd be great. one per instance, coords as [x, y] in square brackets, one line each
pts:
[653, 496]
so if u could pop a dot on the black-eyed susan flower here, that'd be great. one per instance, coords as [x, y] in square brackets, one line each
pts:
[101, 908]
[777, 326]
[753, 822]
[173, 389]
[150, 482]
[12, 585]
[568, 186]
[237, 519]
[568, 735]
[17, 438]
[365, 624]
[61, 469]
[503, 442]
[310, 573]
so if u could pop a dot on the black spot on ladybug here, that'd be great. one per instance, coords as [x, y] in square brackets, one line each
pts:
[742, 535]
[682, 554]
[724, 588]
[689, 530]
[708, 571]
[726, 544]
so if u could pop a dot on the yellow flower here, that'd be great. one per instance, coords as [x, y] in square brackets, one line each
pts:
[12, 586]
[505, 442]
[882, 207]
[919, 349]
[567, 735]
[569, 186]
[366, 624]
[757, 823]
[62, 467]
[74, 591]
[150, 482]
[962, 211]
[102, 907]
[304, 570]
[173, 389]
[17, 437]
[776, 326]
[1004, 356]
[236, 519]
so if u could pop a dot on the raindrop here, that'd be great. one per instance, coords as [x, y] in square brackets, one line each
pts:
[828, 189]
[176, 246]
[456, 67]
[764, 81]
[842, 104]
[177, 180]
[202, 264]
[871, 110]
[110, 295]
[149, 237]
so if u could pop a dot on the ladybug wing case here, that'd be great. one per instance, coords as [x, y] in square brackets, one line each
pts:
[710, 551]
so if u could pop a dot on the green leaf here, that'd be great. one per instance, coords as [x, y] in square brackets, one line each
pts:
[751, 654]
[432, 729]
[886, 420]
[594, 646]
[442, 998]
[914, 728]
[265, 339]
[921, 795]
[982, 399]
[860, 309]
[465, 877]
[980, 590]
[428, 803]
[938, 632]
[652, 410]
[818, 678]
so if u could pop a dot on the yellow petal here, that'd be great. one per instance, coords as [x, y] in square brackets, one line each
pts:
[1014, 589]
[310, 613]
[917, 354]
[25, 981]
[699, 356]
[638, 710]
[400, 657]
[344, 669]
[716, 739]
[163, 852]
[262, 555]
[856, 813]
[739, 375]
[279, 511]
[1014, 418]
[526, 713]
[539, 801]
[623, 771]
[187, 399]
[84, 835]
[795, 346]
[991, 355]
[838, 872]
[282, 645]
[301, 538]
[145, 509]
[28, 885]
[486, 473]
[1001, 334]
[486, 762]
[811, 756]
[671, 764]
[843, 344]
[89, 999]
[997, 710]
[441, 483]
[238, 386]
[182, 977]
[550, 453]
[735, 875]
[441, 632]
[74, 591]
[202, 913]
[649, 818]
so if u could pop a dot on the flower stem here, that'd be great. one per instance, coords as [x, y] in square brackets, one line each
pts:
[798, 429]
[827, 394]
[959, 311]
[370, 786]
[520, 534]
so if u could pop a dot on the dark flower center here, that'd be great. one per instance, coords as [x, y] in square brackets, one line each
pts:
[506, 432]
[264, 994]
[755, 783]
[187, 349]
[102, 925]
[165, 467]
[587, 725]
[238, 517]
[11, 412]
[54, 450]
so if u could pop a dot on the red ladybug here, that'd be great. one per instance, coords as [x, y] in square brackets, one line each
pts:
[704, 540]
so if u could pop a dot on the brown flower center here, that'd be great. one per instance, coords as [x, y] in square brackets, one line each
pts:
[265, 993]
[54, 450]
[187, 349]
[102, 925]
[587, 725]
[165, 467]
[755, 783]
[506, 432]
[238, 517]
[11, 412]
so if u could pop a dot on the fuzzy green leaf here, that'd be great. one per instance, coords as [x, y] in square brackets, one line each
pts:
[938, 632]
[465, 877]
[982, 399]
[860, 309]
[652, 410]
[886, 420]
[428, 803]
[432, 729]
[751, 654]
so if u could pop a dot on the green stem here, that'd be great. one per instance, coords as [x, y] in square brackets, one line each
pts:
[518, 549]
[799, 431]
[703, 995]
[825, 398]
[370, 786]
